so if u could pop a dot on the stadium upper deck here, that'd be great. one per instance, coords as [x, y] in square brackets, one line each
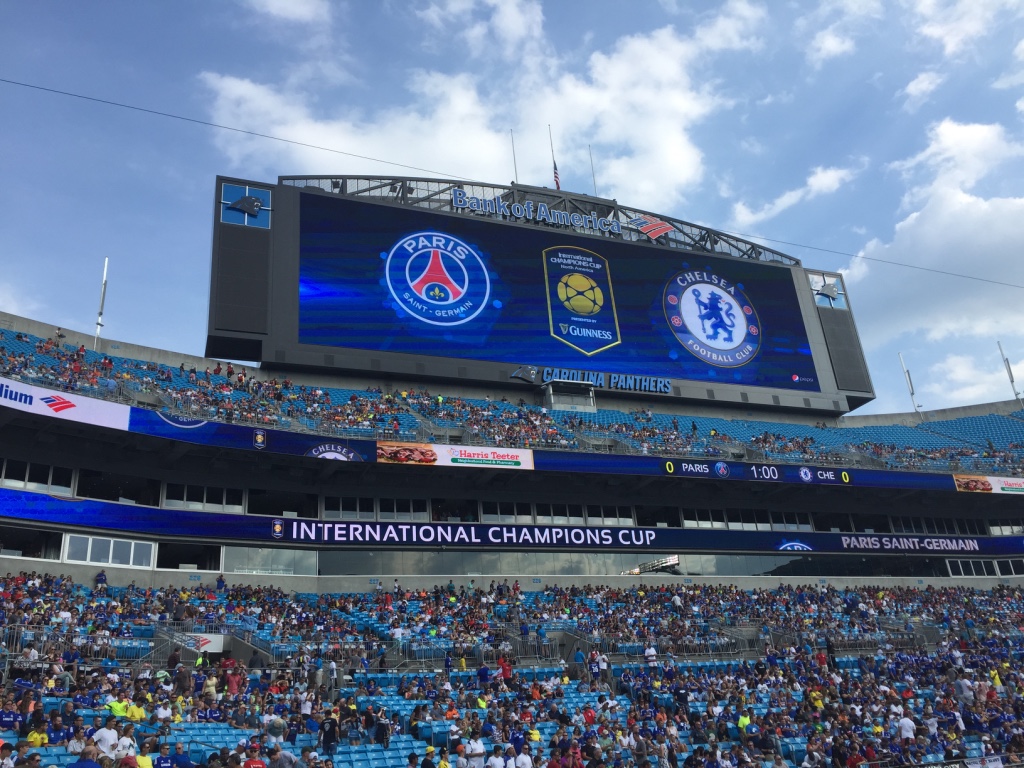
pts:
[632, 490]
[991, 442]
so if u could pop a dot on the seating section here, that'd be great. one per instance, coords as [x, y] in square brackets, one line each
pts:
[652, 674]
[990, 444]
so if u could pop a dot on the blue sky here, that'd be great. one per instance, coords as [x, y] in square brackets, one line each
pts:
[891, 130]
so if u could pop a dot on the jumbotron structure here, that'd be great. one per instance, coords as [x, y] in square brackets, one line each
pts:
[469, 381]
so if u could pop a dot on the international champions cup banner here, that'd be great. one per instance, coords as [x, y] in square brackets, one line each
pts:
[68, 514]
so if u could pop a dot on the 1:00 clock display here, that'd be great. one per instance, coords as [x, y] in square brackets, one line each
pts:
[772, 473]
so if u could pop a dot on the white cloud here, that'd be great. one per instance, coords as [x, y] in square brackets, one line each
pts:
[829, 44]
[304, 11]
[833, 26]
[920, 88]
[786, 97]
[510, 29]
[461, 121]
[968, 378]
[1014, 78]
[821, 181]
[958, 156]
[947, 229]
[752, 145]
[957, 24]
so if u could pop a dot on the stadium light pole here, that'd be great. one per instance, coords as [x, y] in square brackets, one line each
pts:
[1009, 374]
[103, 299]
[910, 387]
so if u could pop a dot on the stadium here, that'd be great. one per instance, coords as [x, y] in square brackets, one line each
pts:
[461, 408]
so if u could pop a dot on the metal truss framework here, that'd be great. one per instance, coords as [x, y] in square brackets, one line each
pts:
[436, 194]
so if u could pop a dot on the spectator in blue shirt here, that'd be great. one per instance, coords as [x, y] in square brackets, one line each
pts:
[180, 757]
[88, 758]
[164, 759]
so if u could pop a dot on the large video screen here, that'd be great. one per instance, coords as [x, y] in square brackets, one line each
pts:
[384, 278]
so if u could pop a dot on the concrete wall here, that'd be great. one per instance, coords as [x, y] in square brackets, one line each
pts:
[161, 578]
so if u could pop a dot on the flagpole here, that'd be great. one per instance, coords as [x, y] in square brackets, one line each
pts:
[554, 165]
[592, 173]
[515, 167]
[103, 300]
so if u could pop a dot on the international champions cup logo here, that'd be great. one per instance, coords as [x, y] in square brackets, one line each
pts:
[437, 278]
[712, 318]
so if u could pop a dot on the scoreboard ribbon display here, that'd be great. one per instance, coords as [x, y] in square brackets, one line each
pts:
[714, 469]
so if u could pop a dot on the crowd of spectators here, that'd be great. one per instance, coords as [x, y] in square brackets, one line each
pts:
[649, 436]
[797, 705]
[238, 395]
[1009, 461]
[495, 422]
[804, 448]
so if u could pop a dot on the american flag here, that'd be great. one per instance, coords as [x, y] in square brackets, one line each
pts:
[558, 184]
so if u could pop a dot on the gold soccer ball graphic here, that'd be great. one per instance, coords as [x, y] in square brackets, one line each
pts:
[580, 294]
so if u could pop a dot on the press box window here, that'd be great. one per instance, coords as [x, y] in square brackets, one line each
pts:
[404, 509]
[348, 508]
[103, 551]
[507, 512]
[14, 473]
[36, 477]
[125, 489]
[971, 567]
[560, 514]
[598, 514]
[206, 498]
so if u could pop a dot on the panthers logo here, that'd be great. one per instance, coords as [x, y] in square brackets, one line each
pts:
[713, 318]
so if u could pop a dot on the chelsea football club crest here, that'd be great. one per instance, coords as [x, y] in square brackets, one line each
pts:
[436, 278]
[713, 318]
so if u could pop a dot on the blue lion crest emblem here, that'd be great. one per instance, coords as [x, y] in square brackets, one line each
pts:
[712, 318]
[720, 319]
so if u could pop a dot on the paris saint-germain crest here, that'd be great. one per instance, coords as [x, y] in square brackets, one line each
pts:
[712, 318]
[436, 278]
